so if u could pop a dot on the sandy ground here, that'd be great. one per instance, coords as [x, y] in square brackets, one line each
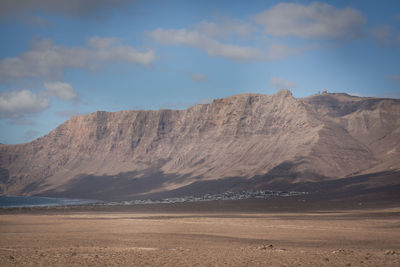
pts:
[96, 238]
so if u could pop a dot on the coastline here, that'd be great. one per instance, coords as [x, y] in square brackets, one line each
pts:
[296, 204]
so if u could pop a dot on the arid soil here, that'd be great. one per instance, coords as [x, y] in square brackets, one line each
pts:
[55, 237]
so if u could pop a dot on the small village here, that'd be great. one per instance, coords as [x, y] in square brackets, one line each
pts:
[229, 195]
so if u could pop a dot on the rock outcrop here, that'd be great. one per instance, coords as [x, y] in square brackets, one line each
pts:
[129, 154]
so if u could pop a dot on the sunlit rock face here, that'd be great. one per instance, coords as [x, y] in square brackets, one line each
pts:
[129, 154]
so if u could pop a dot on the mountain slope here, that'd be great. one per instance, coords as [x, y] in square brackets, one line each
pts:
[130, 154]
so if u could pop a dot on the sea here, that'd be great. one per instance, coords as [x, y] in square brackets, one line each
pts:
[23, 201]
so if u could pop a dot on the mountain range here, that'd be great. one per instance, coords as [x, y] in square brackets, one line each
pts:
[249, 141]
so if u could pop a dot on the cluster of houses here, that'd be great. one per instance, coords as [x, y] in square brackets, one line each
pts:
[259, 194]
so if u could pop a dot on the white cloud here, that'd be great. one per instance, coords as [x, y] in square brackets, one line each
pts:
[15, 104]
[199, 78]
[47, 60]
[280, 83]
[61, 90]
[316, 20]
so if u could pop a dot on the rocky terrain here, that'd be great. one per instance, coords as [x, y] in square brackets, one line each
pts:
[242, 142]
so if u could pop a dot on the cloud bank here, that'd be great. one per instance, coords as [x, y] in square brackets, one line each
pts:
[48, 60]
[316, 20]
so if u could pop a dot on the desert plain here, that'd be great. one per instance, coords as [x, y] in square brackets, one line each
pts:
[216, 233]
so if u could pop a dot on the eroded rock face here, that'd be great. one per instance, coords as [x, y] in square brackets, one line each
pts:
[131, 153]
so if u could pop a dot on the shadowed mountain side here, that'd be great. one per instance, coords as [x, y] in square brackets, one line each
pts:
[144, 184]
[277, 137]
[124, 186]
[383, 186]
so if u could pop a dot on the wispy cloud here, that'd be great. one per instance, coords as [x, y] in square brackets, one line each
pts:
[281, 83]
[214, 47]
[110, 50]
[48, 60]
[316, 20]
[198, 77]
[394, 77]
[225, 28]
[383, 34]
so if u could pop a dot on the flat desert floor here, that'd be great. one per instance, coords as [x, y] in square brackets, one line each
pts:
[366, 237]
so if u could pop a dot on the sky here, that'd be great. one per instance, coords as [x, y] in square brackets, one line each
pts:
[60, 58]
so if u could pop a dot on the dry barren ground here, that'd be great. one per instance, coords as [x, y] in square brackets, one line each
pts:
[335, 238]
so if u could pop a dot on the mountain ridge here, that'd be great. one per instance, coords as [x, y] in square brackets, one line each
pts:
[295, 140]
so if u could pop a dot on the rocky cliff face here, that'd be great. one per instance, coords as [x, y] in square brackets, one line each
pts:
[130, 154]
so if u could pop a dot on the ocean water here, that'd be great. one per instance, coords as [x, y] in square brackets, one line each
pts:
[22, 201]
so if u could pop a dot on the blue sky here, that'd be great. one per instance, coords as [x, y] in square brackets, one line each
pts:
[60, 58]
